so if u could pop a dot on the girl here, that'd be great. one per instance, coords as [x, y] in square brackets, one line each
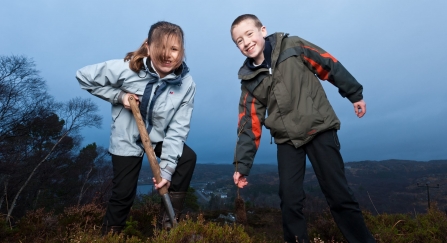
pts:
[158, 78]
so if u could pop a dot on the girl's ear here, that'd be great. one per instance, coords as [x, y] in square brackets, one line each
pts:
[147, 48]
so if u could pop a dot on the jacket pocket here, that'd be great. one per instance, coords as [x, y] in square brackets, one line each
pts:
[283, 99]
[308, 121]
[274, 123]
[123, 133]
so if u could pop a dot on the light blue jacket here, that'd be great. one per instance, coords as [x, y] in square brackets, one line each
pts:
[171, 114]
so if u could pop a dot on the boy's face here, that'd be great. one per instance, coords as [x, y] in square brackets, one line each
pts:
[250, 39]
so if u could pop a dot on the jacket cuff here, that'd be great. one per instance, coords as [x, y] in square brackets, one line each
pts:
[165, 175]
[120, 97]
[357, 96]
[166, 171]
[242, 169]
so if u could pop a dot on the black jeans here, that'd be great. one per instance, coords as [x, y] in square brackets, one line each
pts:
[324, 154]
[125, 179]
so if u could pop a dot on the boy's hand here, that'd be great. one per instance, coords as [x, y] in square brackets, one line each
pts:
[360, 108]
[161, 184]
[239, 180]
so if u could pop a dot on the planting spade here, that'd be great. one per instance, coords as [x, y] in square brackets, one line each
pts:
[152, 160]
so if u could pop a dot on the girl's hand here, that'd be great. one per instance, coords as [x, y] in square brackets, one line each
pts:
[161, 184]
[126, 100]
[240, 180]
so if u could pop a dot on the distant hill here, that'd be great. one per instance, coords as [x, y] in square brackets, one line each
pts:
[389, 186]
[211, 172]
[392, 185]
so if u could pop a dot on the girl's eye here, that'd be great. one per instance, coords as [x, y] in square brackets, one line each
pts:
[249, 34]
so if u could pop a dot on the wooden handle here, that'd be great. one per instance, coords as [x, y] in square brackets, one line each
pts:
[147, 144]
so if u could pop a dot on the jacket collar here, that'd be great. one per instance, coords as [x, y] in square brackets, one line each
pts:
[267, 63]
[172, 78]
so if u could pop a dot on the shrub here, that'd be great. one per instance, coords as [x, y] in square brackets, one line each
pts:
[399, 228]
[73, 220]
[144, 211]
[36, 226]
[82, 224]
[201, 232]
[322, 226]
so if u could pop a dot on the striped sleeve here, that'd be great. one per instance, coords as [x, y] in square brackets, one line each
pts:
[327, 67]
[251, 116]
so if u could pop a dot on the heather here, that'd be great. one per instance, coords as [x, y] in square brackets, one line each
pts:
[83, 223]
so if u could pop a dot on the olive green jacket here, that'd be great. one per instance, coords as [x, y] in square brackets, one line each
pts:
[292, 96]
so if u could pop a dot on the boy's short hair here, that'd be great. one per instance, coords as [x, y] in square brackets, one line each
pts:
[243, 17]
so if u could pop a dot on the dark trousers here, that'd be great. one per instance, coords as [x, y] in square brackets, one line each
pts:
[125, 178]
[324, 154]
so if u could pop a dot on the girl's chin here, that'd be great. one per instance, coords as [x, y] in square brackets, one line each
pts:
[167, 70]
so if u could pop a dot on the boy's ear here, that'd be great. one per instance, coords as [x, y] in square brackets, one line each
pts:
[264, 31]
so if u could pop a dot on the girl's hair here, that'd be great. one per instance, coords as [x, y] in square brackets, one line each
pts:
[159, 36]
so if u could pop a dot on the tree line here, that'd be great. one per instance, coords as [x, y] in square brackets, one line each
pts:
[42, 163]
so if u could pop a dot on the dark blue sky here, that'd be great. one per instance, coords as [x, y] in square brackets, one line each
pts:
[395, 49]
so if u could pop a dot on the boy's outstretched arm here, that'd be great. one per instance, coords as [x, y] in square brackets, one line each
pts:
[327, 67]
[360, 108]
[251, 117]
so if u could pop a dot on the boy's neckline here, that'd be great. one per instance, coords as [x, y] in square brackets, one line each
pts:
[267, 62]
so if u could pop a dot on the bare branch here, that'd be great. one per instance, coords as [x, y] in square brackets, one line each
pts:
[78, 113]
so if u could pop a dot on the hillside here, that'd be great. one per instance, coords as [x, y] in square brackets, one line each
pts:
[389, 186]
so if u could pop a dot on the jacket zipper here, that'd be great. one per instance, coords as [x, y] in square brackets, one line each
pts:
[152, 115]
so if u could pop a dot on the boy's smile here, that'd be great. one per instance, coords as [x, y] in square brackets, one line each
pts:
[250, 40]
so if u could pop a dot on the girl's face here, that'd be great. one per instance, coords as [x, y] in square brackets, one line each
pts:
[166, 55]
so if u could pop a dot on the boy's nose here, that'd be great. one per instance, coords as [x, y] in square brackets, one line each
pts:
[246, 42]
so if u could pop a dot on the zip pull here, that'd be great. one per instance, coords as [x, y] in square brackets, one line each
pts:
[156, 88]
[270, 70]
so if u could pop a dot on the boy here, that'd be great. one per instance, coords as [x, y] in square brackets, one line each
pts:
[280, 76]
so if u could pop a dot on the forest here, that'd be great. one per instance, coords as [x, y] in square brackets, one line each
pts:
[41, 162]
